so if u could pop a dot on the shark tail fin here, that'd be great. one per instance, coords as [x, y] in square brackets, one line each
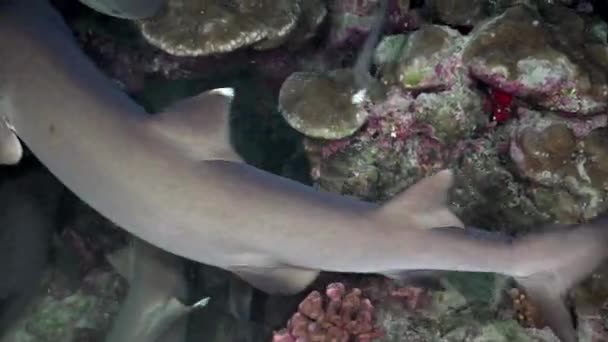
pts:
[551, 304]
[575, 254]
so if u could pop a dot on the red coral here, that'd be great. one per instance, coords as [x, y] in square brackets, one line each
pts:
[502, 105]
[340, 317]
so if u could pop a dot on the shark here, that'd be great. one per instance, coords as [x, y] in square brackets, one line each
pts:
[173, 180]
[154, 308]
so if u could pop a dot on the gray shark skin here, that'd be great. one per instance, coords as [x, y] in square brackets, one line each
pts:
[126, 9]
[28, 207]
[152, 310]
[172, 180]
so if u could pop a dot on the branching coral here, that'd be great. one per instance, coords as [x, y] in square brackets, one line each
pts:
[338, 316]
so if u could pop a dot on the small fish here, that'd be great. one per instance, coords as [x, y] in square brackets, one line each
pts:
[173, 180]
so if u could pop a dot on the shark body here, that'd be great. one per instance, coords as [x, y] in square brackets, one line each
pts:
[172, 180]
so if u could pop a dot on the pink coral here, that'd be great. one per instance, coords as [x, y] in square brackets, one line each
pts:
[339, 316]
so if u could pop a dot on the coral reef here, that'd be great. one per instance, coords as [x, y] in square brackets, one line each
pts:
[448, 307]
[324, 106]
[195, 28]
[465, 13]
[555, 67]
[352, 19]
[466, 102]
[340, 316]
[517, 107]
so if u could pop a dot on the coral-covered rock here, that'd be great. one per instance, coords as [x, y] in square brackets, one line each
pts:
[591, 300]
[458, 12]
[195, 28]
[542, 57]
[352, 18]
[338, 316]
[565, 160]
[429, 59]
[132, 9]
[314, 13]
[450, 308]
[327, 106]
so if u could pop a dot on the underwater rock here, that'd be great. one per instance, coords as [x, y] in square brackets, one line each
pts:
[381, 159]
[327, 106]
[83, 312]
[486, 193]
[314, 13]
[389, 49]
[565, 159]
[465, 13]
[337, 316]
[28, 213]
[429, 59]
[591, 299]
[543, 57]
[195, 28]
[405, 137]
[126, 9]
[448, 307]
[350, 20]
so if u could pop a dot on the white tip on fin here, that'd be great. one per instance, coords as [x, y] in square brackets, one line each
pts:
[198, 126]
[11, 150]
[227, 92]
[201, 303]
[425, 202]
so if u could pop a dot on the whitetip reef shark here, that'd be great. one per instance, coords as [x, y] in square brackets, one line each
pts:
[172, 180]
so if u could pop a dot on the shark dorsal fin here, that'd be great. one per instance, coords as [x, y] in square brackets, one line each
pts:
[198, 126]
[10, 146]
[425, 202]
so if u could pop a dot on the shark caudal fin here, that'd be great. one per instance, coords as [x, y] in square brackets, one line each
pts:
[551, 304]
[570, 255]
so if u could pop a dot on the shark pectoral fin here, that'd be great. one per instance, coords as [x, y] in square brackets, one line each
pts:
[154, 321]
[176, 329]
[199, 126]
[284, 280]
[11, 150]
[426, 202]
[123, 261]
[176, 308]
[548, 298]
